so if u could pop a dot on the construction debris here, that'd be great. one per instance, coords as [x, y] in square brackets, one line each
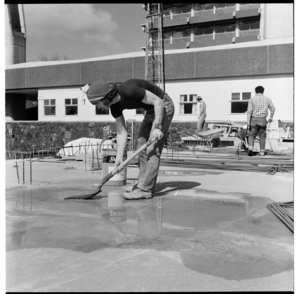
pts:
[277, 167]
[278, 208]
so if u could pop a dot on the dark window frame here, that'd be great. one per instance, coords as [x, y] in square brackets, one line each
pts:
[49, 107]
[71, 106]
[188, 101]
[239, 102]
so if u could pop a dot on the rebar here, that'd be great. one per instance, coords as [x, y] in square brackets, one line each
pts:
[30, 171]
[17, 168]
[92, 160]
[23, 170]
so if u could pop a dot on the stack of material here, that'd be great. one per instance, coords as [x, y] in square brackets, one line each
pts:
[280, 210]
[85, 146]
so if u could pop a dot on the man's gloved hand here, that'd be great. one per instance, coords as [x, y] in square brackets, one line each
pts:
[157, 133]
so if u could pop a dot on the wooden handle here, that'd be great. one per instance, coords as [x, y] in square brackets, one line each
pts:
[124, 163]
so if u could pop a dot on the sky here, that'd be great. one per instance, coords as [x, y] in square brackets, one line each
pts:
[80, 31]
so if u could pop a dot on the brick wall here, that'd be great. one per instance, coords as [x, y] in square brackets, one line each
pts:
[57, 134]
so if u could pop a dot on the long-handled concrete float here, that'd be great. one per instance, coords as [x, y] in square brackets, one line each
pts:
[115, 171]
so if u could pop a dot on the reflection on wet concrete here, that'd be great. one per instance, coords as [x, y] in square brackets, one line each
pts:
[211, 235]
[187, 172]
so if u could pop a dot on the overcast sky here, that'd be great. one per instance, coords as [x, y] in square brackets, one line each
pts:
[80, 31]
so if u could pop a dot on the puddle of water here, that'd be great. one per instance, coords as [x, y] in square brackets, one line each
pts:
[186, 173]
[229, 239]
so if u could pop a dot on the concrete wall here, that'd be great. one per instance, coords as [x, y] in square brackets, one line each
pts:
[217, 95]
[231, 62]
[8, 39]
[217, 98]
[15, 40]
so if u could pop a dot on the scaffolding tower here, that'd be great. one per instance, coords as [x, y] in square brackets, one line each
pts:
[154, 50]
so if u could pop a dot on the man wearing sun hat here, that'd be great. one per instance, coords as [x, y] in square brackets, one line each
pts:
[159, 107]
[202, 114]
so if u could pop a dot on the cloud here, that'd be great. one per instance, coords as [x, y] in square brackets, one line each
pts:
[79, 22]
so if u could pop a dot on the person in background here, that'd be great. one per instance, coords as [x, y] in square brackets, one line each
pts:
[159, 107]
[202, 115]
[257, 114]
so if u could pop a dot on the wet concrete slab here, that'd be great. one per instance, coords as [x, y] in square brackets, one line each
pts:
[202, 231]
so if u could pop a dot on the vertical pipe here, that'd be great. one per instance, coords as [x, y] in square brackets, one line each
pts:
[23, 170]
[17, 168]
[85, 158]
[92, 160]
[98, 156]
[30, 171]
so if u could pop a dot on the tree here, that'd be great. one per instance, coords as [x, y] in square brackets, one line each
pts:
[55, 57]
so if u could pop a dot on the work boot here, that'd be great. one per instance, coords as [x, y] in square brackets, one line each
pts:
[137, 194]
[130, 188]
[250, 152]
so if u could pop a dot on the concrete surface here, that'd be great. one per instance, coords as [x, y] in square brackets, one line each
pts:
[205, 229]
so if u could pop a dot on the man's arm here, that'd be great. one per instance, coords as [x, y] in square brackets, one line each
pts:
[158, 104]
[201, 109]
[121, 139]
[272, 110]
[249, 111]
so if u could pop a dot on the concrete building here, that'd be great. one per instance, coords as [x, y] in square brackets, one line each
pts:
[196, 25]
[219, 52]
[15, 34]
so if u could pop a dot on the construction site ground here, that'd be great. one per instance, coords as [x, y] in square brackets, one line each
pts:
[207, 228]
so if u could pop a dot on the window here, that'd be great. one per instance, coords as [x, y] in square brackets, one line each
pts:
[188, 104]
[166, 12]
[246, 25]
[239, 105]
[246, 96]
[167, 35]
[71, 106]
[224, 5]
[180, 9]
[201, 7]
[49, 107]
[203, 30]
[224, 28]
[100, 111]
[181, 33]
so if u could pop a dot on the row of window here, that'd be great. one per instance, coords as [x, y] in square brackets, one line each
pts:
[239, 103]
[188, 105]
[71, 107]
[187, 8]
[241, 25]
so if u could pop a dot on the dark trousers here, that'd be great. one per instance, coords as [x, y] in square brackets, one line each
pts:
[258, 126]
